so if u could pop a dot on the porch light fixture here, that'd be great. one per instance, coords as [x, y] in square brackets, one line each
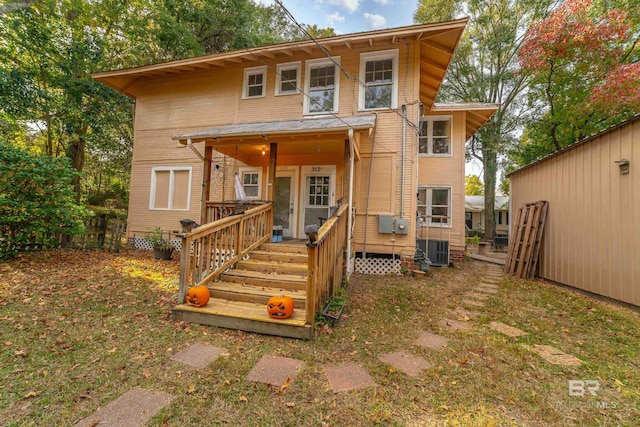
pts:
[624, 166]
[264, 151]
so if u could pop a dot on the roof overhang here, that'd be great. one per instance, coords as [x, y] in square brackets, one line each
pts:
[272, 130]
[477, 114]
[436, 41]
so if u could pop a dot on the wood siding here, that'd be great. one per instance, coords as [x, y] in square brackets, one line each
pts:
[592, 234]
[170, 105]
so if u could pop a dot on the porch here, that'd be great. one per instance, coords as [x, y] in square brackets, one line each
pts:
[234, 258]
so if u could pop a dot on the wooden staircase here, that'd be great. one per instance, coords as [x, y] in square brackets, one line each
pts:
[239, 298]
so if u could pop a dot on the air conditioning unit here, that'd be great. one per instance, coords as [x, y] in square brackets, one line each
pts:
[438, 252]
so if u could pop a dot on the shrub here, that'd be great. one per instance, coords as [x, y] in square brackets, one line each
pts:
[37, 201]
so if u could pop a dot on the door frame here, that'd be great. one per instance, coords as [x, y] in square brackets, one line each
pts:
[294, 173]
[306, 171]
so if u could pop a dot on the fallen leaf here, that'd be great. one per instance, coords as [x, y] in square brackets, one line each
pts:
[290, 404]
[192, 388]
[286, 384]
[30, 394]
[242, 399]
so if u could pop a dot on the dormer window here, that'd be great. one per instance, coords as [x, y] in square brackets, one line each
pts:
[255, 79]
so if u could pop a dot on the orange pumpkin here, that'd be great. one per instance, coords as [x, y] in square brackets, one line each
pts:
[280, 306]
[198, 296]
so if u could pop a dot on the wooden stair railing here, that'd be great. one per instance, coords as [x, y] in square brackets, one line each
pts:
[211, 249]
[325, 263]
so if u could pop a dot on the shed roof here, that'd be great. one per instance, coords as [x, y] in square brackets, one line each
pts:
[283, 127]
[576, 145]
[478, 113]
[476, 203]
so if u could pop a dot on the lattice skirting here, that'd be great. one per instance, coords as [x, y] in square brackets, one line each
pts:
[378, 266]
[141, 243]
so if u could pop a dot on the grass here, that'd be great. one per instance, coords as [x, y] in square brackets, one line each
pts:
[79, 328]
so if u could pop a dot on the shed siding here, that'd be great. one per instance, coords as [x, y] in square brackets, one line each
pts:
[592, 233]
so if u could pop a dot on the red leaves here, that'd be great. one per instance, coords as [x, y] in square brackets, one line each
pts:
[572, 33]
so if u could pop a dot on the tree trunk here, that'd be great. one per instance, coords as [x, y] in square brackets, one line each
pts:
[490, 170]
[76, 153]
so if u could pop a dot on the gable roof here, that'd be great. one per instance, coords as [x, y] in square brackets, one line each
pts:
[476, 203]
[437, 42]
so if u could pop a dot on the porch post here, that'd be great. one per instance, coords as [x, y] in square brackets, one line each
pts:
[271, 179]
[350, 212]
[206, 183]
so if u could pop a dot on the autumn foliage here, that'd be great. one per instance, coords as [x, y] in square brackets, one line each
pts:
[578, 57]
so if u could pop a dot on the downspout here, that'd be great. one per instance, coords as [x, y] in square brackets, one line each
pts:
[194, 149]
[366, 214]
[404, 145]
[350, 213]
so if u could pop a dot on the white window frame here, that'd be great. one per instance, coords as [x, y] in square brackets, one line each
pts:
[317, 63]
[242, 171]
[429, 206]
[429, 138]
[288, 66]
[171, 189]
[392, 54]
[252, 71]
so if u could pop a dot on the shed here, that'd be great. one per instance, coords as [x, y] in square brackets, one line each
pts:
[592, 232]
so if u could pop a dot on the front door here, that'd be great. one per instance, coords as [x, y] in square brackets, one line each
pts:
[285, 211]
[318, 194]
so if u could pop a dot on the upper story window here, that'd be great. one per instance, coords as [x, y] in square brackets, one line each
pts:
[170, 188]
[255, 80]
[322, 84]
[435, 136]
[288, 78]
[379, 73]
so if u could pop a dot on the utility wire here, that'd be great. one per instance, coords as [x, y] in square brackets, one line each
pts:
[345, 72]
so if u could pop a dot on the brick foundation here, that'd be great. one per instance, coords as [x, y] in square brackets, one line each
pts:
[407, 262]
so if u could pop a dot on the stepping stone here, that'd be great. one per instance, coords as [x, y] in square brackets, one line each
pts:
[474, 303]
[553, 355]
[454, 325]
[198, 355]
[275, 370]
[486, 290]
[133, 409]
[507, 330]
[477, 295]
[407, 363]
[431, 340]
[348, 376]
[464, 315]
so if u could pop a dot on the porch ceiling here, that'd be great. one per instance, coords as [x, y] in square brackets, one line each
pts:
[477, 113]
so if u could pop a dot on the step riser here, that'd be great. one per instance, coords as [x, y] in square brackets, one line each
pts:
[269, 283]
[244, 324]
[257, 299]
[280, 257]
[272, 268]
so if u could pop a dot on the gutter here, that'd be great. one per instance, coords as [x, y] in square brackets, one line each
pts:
[350, 213]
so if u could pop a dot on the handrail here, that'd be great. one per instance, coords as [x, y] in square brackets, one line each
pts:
[211, 249]
[325, 262]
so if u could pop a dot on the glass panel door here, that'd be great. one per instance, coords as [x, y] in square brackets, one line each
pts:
[284, 204]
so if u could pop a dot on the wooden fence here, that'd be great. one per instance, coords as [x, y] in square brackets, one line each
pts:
[325, 268]
[217, 246]
[101, 232]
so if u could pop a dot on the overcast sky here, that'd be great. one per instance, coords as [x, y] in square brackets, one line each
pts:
[351, 16]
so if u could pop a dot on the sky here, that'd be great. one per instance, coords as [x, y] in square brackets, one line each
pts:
[351, 16]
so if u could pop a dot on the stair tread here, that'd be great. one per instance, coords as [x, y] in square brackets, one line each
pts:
[290, 254]
[244, 310]
[269, 276]
[284, 247]
[273, 263]
[256, 290]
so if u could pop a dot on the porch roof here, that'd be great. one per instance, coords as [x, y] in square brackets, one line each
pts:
[283, 127]
[478, 113]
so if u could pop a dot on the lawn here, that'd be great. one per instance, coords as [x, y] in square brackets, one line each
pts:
[80, 328]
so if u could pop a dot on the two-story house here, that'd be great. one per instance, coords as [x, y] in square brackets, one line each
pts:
[304, 127]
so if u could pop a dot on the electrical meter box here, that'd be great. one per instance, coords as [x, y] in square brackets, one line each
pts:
[402, 226]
